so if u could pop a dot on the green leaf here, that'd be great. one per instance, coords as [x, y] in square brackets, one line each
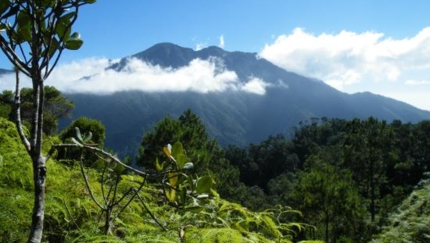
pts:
[177, 150]
[181, 159]
[64, 28]
[88, 138]
[78, 134]
[45, 3]
[173, 179]
[24, 33]
[204, 184]
[158, 166]
[53, 48]
[182, 195]
[77, 143]
[73, 44]
[4, 5]
[90, 1]
[23, 18]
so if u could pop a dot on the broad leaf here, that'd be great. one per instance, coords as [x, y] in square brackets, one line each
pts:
[181, 159]
[78, 134]
[73, 44]
[177, 150]
[204, 184]
[167, 152]
[63, 28]
[173, 179]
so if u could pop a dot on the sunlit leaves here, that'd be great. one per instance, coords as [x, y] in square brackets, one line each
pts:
[63, 28]
[180, 184]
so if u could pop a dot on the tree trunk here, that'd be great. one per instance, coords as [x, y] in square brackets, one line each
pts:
[39, 176]
[39, 167]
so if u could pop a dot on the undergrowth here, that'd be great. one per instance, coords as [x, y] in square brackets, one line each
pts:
[72, 216]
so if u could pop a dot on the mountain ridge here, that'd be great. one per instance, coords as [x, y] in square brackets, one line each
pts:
[230, 117]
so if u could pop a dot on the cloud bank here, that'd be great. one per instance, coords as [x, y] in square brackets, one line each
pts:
[93, 76]
[349, 58]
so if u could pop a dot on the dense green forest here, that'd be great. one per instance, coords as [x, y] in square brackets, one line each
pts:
[346, 177]
[337, 180]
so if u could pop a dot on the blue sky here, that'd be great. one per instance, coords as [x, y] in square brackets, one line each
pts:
[114, 29]
[381, 46]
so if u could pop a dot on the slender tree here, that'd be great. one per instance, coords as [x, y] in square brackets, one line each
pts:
[33, 35]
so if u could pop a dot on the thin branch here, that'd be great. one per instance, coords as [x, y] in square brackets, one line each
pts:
[69, 213]
[101, 151]
[150, 213]
[87, 184]
[102, 183]
[129, 201]
[18, 120]
[13, 58]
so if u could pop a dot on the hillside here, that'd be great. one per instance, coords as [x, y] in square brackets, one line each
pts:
[411, 221]
[72, 216]
[231, 116]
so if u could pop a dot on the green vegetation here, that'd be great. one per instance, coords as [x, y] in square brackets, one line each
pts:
[345, 178]
[33, 36]
[321, 179]
[72, 215]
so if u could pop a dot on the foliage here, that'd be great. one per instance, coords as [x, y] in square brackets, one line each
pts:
[33, 35]
[410, 222]
[207, 157]
[72, 216]
[188, 130]
[56, 107]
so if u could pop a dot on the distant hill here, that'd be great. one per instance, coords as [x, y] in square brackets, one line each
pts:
[231, 117]
[5, 71]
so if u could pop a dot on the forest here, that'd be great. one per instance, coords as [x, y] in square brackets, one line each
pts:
[334, 180]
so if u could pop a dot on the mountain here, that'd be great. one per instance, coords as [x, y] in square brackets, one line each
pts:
[5, 71]
[231, 117]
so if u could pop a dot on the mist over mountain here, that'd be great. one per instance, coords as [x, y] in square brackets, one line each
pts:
[250, 98]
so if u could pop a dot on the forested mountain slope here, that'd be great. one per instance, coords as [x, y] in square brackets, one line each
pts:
[231, 116]
[411, 221]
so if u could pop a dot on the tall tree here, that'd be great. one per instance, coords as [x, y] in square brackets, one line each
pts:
[187, 129]
[33, 36]
[367, 150]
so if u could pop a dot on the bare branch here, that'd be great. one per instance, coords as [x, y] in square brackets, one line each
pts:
[13, 57]
[150, 213]
[101, 151]
[18, 120]
[87, 184]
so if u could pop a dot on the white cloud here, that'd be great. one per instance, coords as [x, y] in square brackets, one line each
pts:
[349, 58]
[221, 42]
[417, 82]
[201, 76]
[255, 86]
